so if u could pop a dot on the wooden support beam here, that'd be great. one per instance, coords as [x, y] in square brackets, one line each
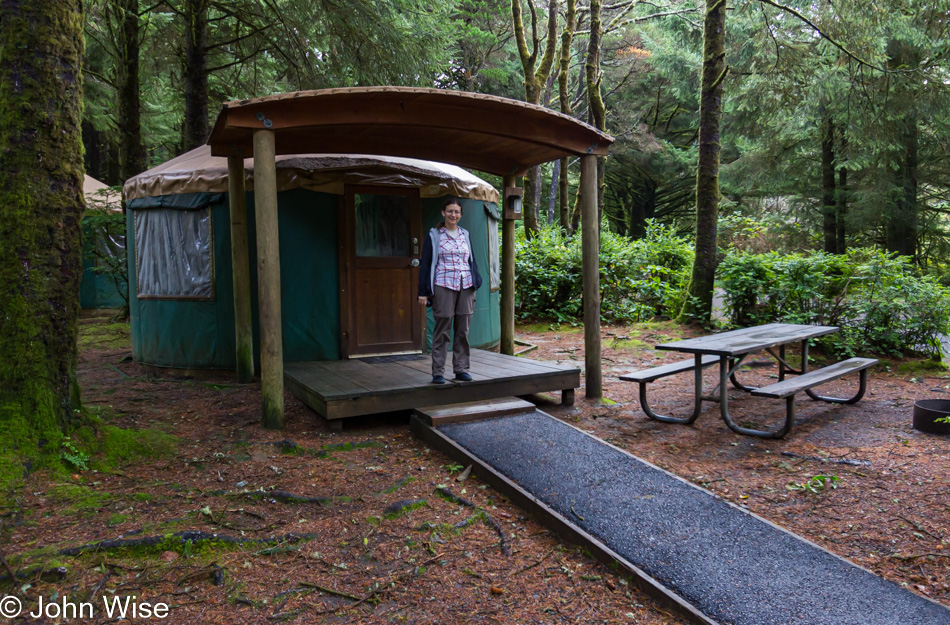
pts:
[241, 271]
[507, 276]
[268, 280]
[590, 244]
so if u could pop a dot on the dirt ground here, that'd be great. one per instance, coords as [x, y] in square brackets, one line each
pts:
[307, 526]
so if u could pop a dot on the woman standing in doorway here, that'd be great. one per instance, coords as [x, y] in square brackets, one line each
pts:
[448, 277]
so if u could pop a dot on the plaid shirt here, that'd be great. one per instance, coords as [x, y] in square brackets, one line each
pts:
[452, 270]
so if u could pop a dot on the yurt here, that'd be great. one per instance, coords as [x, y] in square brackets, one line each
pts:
[351, 229]
[103, 283]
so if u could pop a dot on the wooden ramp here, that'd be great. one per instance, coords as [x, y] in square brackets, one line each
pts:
[338, 389]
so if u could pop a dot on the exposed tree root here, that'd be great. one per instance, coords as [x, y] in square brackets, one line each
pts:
[848, 461]
[448, 495]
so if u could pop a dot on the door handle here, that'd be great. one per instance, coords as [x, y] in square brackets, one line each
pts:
[414, 263]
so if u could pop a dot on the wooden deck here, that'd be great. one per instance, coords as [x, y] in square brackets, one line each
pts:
[338, 389]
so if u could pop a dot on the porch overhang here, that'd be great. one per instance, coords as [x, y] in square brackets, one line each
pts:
[487, 133]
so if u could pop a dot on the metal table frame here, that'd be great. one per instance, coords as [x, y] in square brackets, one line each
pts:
[732, 348]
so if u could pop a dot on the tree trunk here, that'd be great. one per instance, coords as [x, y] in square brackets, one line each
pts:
[598, 112]
[530, 205]
[901, 227]
[535, 78]
[41, 175]
[553, 191]
[828, 207]
[92, 150]
[132, 159]
[841, 208]
[564, 196]
[564, 66]
[902, 222]
[698, 304]
[195, 72]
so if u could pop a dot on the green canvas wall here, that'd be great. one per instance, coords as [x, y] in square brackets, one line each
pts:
[199, 334]
[96, 290]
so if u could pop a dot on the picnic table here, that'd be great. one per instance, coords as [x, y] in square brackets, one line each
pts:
[729, 349]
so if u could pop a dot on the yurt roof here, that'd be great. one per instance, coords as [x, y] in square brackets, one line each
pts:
[99, 196]
[198, 171]
[484, 132]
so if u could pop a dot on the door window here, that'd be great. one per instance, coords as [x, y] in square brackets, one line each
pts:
[382, 225]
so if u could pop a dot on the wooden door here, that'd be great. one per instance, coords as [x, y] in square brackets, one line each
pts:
[384, 235]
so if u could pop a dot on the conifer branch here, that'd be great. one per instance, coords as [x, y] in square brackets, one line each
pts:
[827, 38]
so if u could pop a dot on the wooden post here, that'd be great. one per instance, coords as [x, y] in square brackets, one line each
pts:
[590, 243]
[268, 280]
[240, 268]
[507, 276]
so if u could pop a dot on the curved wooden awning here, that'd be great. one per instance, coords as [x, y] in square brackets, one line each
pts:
[483, 132]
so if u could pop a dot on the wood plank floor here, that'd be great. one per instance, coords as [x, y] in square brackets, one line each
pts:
[345, 388]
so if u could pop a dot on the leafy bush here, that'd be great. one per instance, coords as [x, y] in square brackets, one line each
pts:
[877, 299]
[639, 279]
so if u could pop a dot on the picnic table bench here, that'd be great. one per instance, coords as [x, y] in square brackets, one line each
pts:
[729, 349]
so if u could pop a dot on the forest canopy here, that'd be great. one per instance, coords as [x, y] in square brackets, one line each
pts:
[834, 118]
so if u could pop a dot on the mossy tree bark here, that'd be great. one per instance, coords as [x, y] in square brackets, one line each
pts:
[564, 96]
[132, 159]
[596, 109]
[195, 71]
[698, 304]
[41, 204]
[535, 79]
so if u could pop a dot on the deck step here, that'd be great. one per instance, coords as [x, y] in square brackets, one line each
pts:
[814, 378]
[655, 373]
[473, 410]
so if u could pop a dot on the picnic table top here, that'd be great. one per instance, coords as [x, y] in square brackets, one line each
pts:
[747, 340]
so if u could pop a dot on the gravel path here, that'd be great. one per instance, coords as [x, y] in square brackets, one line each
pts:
[731, 565]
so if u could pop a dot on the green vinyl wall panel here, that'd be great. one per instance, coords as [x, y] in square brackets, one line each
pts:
[199, 334]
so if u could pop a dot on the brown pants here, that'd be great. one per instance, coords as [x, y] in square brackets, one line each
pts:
[449, 305]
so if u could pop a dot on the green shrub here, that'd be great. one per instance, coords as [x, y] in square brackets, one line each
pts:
[878, 300]
[639, 279]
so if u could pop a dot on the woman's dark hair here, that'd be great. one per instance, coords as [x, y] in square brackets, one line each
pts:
[450, 201]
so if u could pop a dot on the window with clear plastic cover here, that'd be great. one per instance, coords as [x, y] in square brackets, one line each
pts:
[382, 225]
[173, 253]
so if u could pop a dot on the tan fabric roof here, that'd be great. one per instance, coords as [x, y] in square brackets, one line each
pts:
[98, 196]
[198, 171]
[483, 132]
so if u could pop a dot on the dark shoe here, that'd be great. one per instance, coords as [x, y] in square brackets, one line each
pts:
[438, 379]
[463, 377]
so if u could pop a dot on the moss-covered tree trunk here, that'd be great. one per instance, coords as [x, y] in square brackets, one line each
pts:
[41, 204]
[596, 108]
[828, 207]
[535, 78]
[195, 71]
[128, 115]
[698, 305]
[564, 96]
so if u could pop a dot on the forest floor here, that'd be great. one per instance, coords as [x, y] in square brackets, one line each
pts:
[226, 522]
